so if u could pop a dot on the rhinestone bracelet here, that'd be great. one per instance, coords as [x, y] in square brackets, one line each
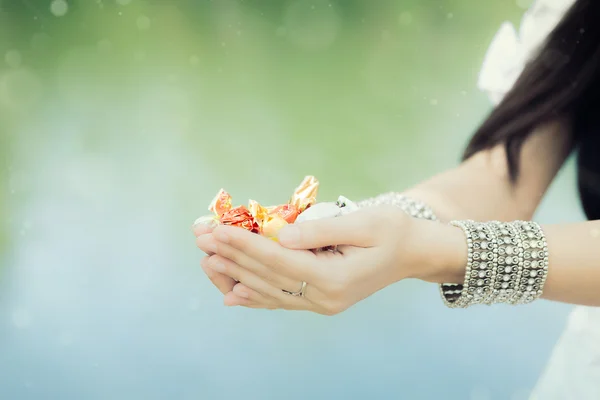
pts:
[506, 263]
[481, 268]
[510, 261]
[535, 263]
[412, 207]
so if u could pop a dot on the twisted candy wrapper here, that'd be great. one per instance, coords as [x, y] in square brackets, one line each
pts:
[258, 219]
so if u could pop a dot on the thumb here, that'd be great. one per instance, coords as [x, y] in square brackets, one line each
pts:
[352, 229]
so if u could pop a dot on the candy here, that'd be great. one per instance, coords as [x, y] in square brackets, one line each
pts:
[258, 219]
[221, 203]
[240, 217]
[259, 212]
[346, 205]
[288, 212]
[268, 221]
[318, 211]
[271, 227]
[341, 207]
[209, 220]
[305, 194]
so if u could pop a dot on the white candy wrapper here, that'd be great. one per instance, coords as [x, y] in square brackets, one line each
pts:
[341, 207]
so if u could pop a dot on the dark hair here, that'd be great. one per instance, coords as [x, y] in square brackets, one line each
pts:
[563, 80]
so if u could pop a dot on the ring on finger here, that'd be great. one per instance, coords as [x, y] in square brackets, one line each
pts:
[299, 293]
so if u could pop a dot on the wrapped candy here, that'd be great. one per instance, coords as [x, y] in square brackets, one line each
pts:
[341, 207]
[305, 194]
[221, 203]
[240, 217]
[268, 221]
[258, 219]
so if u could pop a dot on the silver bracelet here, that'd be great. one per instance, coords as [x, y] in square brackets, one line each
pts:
[510, 262]
[507, 262]
[410, 206]
[481, 268]
[535, 263]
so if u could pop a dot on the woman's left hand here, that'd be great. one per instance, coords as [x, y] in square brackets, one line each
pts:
[376, 247]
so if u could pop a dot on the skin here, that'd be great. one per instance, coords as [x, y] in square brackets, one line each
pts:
[381, 245]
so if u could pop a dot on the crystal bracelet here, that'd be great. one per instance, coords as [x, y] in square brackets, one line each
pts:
[410, 206]
[506, 263]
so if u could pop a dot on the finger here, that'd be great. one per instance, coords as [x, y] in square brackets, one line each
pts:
[244, 292]
[224, 283]
[354, 229]
[296, 265]
[278, 298]
[232, 300]
[204, 225]
[231, 254]
[207, 244]
[248, 278]
[240, 291]
[201, 229]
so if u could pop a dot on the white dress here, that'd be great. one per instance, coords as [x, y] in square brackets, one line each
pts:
[573, 371]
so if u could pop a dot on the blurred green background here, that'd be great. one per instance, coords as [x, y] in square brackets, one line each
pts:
[119, 121]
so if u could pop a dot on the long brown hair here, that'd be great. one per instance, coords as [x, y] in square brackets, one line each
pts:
[562, 80]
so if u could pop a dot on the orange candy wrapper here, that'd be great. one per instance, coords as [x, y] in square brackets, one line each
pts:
[266, 221]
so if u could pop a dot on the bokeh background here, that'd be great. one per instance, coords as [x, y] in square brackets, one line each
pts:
[120, 120]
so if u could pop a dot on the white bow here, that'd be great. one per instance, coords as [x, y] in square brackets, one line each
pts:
[510, 51]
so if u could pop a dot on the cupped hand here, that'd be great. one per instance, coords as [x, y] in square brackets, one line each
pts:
[224, 283]
[376, 247]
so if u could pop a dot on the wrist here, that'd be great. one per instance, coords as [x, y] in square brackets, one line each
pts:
[441, 252]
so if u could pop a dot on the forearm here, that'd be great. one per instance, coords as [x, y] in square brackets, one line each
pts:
[481, 189]
[574, 259]
[472, 193]
[574, 270]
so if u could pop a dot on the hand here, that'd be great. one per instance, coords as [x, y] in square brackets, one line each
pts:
[377, 247]
[224, 283]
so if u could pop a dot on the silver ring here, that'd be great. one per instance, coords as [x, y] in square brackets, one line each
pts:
[299, 293]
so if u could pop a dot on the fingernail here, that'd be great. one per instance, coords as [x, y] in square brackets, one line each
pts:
[289, 235]
[218, 266]
[245, 295]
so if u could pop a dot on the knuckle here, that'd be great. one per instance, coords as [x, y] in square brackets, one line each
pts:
[275, 259]
[267, 275]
